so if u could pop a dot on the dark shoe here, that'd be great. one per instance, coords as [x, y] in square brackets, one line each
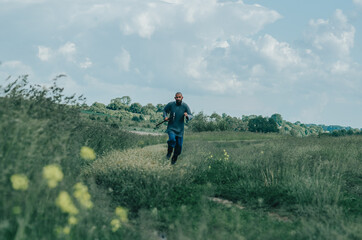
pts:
[169, 152]
[173, 160]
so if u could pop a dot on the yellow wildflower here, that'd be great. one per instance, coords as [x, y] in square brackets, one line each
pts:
[72, 220]
[226, 155]
[82, 195]
[87, 153]
[53, 174]
[64, 202]
[122, 214]
[66, 230]
[19, 181]
[116, 224]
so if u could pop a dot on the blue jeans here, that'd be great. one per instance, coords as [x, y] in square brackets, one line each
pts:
[175, 142]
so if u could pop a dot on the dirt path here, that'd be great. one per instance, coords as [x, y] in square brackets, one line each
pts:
[147, 133]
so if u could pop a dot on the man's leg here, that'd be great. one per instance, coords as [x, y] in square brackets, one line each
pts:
[178, 149]
[171, 144]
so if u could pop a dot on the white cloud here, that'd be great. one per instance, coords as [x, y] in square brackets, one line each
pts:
[123, 60]
[358, 2]
[334, 37]
[279, 53]
[86, 64]
[68, 50]
[257, 71]
[146, 24]
[44, 53]
[172, 1]
[340, 67]
[224, 85]
[14, 68]
[196, 67]
[198, 9]
[221, 44]
[22, 1]
[203, 18]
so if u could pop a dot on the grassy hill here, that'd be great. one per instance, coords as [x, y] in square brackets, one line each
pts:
[66, 176]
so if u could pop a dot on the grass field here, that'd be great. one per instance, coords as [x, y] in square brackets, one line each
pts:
[230, 185]
[64, 177]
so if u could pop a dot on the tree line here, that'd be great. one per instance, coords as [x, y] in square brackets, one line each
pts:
[134, 114]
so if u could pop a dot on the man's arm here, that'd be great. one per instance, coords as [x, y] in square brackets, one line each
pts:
[188, 113]
[166, 110]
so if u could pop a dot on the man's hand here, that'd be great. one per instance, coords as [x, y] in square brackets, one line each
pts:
[186, 115]
[166, 119]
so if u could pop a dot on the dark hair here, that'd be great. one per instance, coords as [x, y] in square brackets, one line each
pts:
[178, 93]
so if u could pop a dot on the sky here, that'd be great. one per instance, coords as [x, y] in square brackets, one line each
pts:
[301, 59]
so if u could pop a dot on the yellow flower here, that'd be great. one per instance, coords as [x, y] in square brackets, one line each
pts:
[87, 153]
[19, 181]
[82, 195]
[122, 214]
[66, 230]
[72, 220]
[116, 224]
[64, 202]
[226, 155]
[53, 174]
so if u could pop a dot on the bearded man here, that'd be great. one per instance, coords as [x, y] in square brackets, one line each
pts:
[177, 111]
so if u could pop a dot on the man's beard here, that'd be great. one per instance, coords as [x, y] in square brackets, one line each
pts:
[178, 102]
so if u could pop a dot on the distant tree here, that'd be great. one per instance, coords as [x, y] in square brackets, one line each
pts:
[350, 132]
[160, 107]
[135, 108]
[215, 117]
[117, 104]
[199, 123]
[148, 109]
[272, 126]
[126, 100]
[261, 124]
[277, 118]
[98, 107]
[246, 118]
[339, 133]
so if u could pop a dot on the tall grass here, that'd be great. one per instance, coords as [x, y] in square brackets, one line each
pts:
[41, 127]
[304, 182]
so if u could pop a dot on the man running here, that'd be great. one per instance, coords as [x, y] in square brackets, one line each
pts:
[177, 111]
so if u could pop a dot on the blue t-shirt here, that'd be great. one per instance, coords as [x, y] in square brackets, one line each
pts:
[176, 117]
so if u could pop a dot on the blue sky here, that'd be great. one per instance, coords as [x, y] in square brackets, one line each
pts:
[301, 59]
